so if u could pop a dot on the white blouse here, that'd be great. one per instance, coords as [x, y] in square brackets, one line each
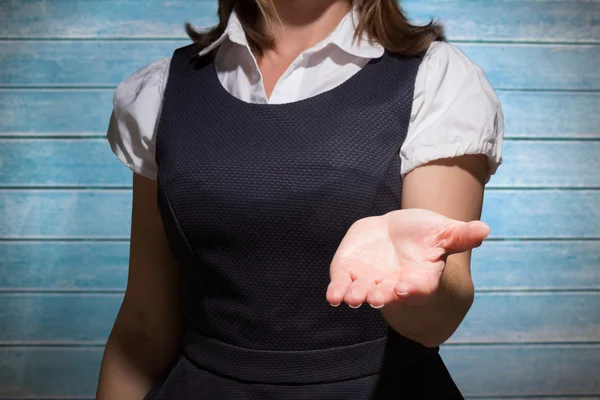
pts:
[454, 112]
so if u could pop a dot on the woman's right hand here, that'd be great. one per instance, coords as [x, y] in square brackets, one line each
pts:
[147, 332]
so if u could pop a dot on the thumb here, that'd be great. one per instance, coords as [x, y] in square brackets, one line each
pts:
[460, 236]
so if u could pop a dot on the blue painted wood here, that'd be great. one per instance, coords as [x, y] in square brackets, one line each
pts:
[534, 370]
[501, 265]
[54, 112]
[549, 163]
[538, 67]
[537, 265]
[63, 112]
[542, 214]
[550, 114]
[65, 213]
[106, 63]
[42, 372]
[78, 63]
[464, 20]
[90, 162]
[33, 318]
[63, 265]
[47, 318]
[480, 371]
[530, 318]
[60, 162]
[106, 213]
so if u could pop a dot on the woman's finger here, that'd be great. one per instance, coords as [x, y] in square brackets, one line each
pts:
[459, 236]
[382, 294]
[357, 292]
[340, 281]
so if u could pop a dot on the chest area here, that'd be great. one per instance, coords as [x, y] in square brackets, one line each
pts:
[251, 175]
[283, 80]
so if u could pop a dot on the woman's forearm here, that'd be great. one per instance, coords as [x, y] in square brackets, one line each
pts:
[431, 324]
[132, 361]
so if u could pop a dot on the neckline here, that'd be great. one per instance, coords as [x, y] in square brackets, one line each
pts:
[226, 96]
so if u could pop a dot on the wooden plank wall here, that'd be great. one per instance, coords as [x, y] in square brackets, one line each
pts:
[534, 330]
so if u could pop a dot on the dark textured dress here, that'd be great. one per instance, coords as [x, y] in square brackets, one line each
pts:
[255, 199]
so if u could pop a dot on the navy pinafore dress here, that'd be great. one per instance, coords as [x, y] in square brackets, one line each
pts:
[255, 199]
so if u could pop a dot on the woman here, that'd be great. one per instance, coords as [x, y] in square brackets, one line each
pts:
[281, 147]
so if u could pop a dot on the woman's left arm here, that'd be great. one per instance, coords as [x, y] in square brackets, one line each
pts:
[452, 187]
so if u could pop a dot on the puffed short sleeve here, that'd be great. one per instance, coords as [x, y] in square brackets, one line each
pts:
[455, 111]
[136, 109]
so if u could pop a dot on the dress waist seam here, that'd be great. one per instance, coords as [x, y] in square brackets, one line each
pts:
[300, 366]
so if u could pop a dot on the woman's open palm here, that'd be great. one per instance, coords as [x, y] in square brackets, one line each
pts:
[399, 256]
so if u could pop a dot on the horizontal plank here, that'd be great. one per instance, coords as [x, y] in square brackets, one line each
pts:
[63, 265]
[64, 112]
[531, 317]
[516, 318]
[61, 162]
[502, 265]
[69, 214]
[77, 63]
[524, 370]
[538, 67]
[49, 318]
[479, 371]
[106, 63]
[542, 214]
[49, 372]
[90, 162]
[106, 214]
[550, 114]
[537, 265]
[464, 20]
[54, 112]
[549, 164]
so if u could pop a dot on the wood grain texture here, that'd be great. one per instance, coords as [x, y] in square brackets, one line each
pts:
[550, 114]
[90, 162]
[64, 266]
[49, 372]
[68, 214]
[58, 112]
[102, 266]
[48, 318]
[555, 21]
[505, 370]
[106, 214]
[106, 63]
[64, 112]
[61, 162]
[57, 318]
[537, 265]
[480, 371]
